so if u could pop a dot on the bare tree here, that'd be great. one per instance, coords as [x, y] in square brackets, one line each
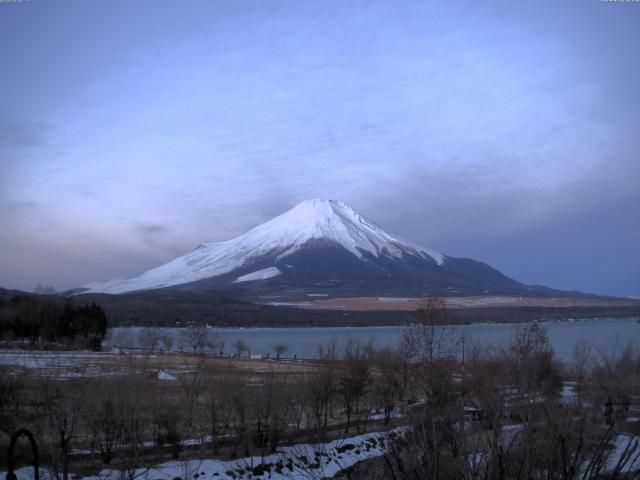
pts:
[191, 384]
[321, 389]
[11, 394]
[431, 335]
[268, 409]
[218, 400]
[240, 346]
[216, 342]
[533, 369]
[166, 340]
[149, 339]
[62, 405]
[615, 381]
[580, 358]
[123, 340]
[103, 424]
[354, 378]
[194, 338]
[132, 402]
[387, 381]
[166, 420]
[239, 418]
[280, 349]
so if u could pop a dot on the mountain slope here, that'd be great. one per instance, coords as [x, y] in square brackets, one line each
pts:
[320, 246]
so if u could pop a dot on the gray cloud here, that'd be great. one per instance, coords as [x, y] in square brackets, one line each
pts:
[24, 134]
[152, 233]
[158, 237]
[18, 206]
[582, 234]
[152, 230]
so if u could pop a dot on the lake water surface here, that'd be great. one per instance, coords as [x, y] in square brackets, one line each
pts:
[603, 334]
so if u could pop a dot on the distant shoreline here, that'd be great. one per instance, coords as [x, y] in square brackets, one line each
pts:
[299, 318]
[488, 323]
[175, 308]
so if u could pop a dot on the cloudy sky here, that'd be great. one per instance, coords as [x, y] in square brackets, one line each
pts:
[508, 132]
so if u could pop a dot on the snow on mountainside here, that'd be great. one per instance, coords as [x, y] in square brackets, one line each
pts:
[310, 220]
[263, 274]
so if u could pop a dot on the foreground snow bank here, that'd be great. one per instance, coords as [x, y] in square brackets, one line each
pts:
[300, 461]
[623, 456]
[297, 462]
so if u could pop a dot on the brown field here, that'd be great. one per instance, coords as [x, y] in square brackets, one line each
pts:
[408, 304]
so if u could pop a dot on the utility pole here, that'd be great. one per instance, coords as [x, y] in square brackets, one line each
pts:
[463, 339]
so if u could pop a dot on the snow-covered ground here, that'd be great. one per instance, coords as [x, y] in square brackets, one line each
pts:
[56, 364]
[568, 394]
[395, 299]
[481, 301]
[82, 364]
[301, 461]
[42, 359]
[619, 454]
[472, 301]
[621, 451]
[164, 375]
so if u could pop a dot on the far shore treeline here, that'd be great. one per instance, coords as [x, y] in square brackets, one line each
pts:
[49, 321]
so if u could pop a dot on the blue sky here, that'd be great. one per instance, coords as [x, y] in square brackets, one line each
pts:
[508, 132]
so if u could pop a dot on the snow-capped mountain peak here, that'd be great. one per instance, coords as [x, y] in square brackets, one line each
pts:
[335, 221]
[311, 220]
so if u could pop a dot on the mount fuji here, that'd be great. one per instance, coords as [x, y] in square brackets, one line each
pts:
[323, 248]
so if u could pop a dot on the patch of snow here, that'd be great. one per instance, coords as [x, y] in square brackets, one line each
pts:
[508, 433]
[476, 301]
[476, 460]
[395, 413]
[189, 442]
[263, 274]
[287, 304]
[631, 462]
[394, 299]
[568, 395]
[162, 375]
